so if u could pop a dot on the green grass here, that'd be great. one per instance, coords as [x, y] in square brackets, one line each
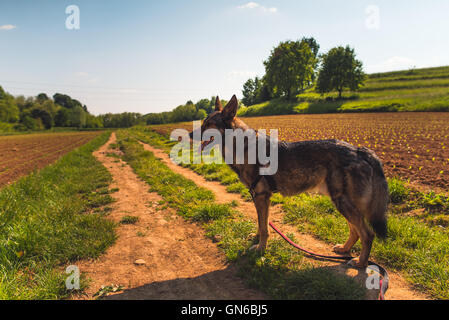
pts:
[282, 272]
[416, 90]
[46, 222]
[129, 220]
[418, 247]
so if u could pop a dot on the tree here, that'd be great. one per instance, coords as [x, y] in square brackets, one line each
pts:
[62, 118]
[9, 112]
[44, 116]
[205, 105]
[184, 113]
[313, 45]
[200, 114]
[41, 97]
[249, 92]
[339, 70]
[77, 117]
[65, 101]
[261, 90]
[290, 68]
[93, 121]
[255, 91]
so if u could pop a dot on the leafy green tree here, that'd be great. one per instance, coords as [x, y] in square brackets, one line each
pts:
[24, 103]
[157, 118]
[313, 45]
[65, 101]
[122, 120]
[200, 114]
[249, 92]
[262, 92]
[204, 104]
[184, 113]
[9, 112]
[290, 68]
[339, 70]
[93, 121]
[255, 91]
[44, 116]
[49, 106]
[41, 97]
[62, 118]
[77, 117]
[29, 123]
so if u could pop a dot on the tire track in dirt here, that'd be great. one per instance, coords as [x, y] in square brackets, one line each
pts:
[399, 288]
[180, 261]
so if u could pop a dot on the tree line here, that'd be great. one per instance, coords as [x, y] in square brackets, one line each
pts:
[43, 112]
[295, 66]
[187, 112]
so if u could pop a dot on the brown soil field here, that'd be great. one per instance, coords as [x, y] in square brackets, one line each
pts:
[22, 154]
[412, 146]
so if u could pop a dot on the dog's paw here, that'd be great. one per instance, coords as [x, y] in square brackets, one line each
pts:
[258, 248]
[255, 238]
[340, 249]
[357, 264]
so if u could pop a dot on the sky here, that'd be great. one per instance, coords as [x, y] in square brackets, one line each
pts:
[151, 56]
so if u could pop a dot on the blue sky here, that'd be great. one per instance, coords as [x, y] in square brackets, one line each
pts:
[150, 56]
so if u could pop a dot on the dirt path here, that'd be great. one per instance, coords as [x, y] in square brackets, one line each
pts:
[179, 261]
[399, 289]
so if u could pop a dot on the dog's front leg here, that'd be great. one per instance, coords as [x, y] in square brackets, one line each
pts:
[262, 204]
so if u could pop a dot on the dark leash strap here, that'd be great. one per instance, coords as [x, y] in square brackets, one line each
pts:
[383, 281]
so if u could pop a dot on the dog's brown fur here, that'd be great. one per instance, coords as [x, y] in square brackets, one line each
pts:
[352, 177]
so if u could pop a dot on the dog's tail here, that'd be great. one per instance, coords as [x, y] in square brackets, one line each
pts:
[376, 215]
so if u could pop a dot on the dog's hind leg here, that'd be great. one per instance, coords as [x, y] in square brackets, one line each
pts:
[353, 238]
[356, 219]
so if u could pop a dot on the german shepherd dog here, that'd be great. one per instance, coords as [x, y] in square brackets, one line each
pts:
[352, 177]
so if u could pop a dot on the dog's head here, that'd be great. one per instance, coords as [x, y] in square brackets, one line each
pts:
[221, 119]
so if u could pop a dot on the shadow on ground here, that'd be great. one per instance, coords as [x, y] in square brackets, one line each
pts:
[321, 283]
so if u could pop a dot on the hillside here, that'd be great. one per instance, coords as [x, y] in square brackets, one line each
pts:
[410, 90]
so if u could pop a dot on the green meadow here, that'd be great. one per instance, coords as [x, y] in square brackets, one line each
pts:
[411, 90]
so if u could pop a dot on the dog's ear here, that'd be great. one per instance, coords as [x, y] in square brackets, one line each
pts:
[218, 106]
[230, 110]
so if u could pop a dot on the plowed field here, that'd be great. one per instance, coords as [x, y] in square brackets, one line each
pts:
[412, 146]
[20, 155]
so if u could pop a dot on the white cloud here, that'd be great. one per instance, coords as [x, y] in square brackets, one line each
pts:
[81, 74]
[255, 5]
[249, 5]
[241, 74]
[392, 64]
[7, 27]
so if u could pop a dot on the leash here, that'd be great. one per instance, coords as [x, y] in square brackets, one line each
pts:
[383, 282]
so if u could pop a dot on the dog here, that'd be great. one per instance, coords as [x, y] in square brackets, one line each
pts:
[352, 177]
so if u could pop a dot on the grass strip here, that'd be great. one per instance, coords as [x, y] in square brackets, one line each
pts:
[51, 218]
